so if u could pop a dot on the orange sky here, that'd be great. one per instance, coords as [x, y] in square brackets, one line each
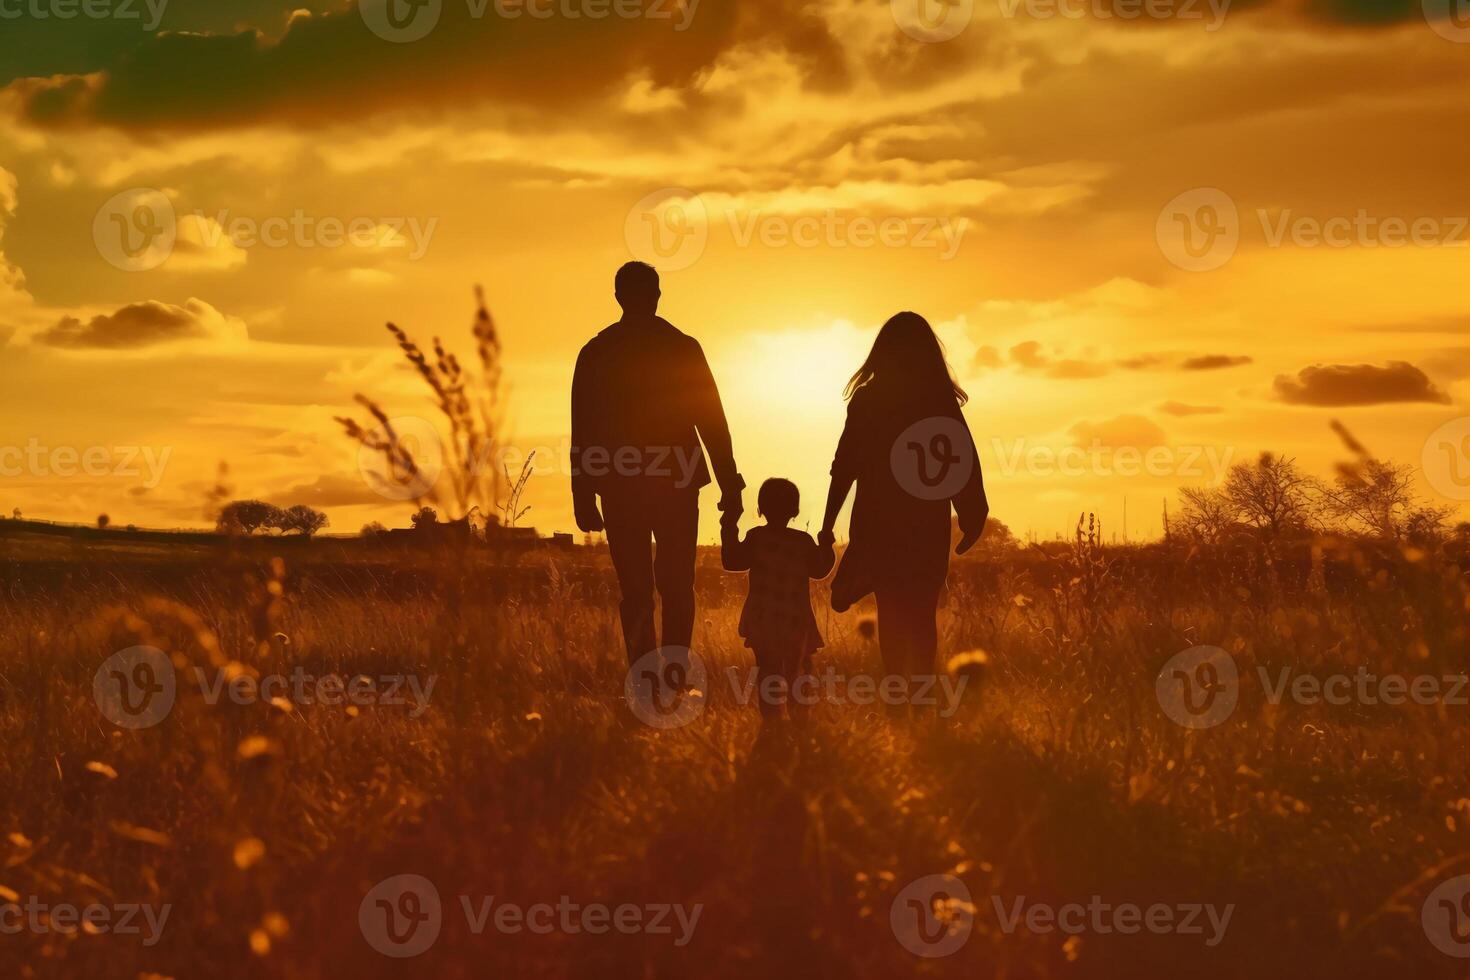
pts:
[799, 171]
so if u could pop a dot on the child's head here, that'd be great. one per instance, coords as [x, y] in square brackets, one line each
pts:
[779, 501]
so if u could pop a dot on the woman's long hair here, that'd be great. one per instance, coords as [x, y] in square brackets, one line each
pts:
[907, 357]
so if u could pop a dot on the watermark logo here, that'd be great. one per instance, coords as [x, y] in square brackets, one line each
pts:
[1199, 230]
[1450, 19]
[1446, 917]
[1198, 688]
[667, 688]
[1446, 459]
[135, 688]
[934, 458]
[136, 230]
[401, 917]
[401, 21]
[668, 229]
[933, 21]
[1104, 917]
[402, 459]
[933, 916]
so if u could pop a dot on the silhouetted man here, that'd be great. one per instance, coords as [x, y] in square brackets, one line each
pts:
[642, 399]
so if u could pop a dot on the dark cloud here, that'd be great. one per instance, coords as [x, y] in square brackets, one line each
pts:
[1030, 356]
[1213, 362]
[331, 66]
[138, 325]
[328, 490]
[1336, 385]
[1181, 409]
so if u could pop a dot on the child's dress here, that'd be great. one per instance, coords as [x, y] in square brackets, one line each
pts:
[777, 617]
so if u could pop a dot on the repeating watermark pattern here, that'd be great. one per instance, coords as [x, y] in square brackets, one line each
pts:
[35, 915]
[670, 229]
[666, 688]
[137, 688]
[1212, 12]
[1450, 19]
[1446, 459]
[1446, 917]
[934, 458]
[1096, 459]
[830, 686]
[933, 916]
[1363, 687]
[1200, 230]
[145, 463]
[403, 916]
[1101, 917]
[403, 459]
[933, 21]
[148, 13]
[1199, 687]
[138, 230]
[407, 21]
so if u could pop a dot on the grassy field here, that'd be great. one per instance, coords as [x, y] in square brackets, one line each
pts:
[1059, 778]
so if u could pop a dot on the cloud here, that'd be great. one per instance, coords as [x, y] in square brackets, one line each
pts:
[329, 66]
[1125, 431]
[1181, 409]
[1336, 385]
[1030, 356]
[328, 490]
[142, 325]
[1213, 362]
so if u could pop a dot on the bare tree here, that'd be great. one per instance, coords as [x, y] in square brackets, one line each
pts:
[1208, 513]
[1272, 494]
[1377, 497]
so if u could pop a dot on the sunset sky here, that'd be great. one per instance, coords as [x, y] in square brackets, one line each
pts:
[799, 171]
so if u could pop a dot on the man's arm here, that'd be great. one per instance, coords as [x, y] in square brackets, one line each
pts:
[584, 491]
[714, 430]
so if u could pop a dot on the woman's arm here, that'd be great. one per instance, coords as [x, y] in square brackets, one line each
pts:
[844, 475]
[970, 504]
[820, 559]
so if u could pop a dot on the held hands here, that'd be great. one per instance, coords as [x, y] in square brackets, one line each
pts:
[826, 538]
[732, 504]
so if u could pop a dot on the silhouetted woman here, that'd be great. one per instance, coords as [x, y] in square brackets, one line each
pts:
[909, 451]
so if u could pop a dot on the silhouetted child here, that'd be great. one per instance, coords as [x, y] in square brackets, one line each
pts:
[777, 621]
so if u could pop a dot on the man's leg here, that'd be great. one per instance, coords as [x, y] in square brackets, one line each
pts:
[629, 541]
[676, 526]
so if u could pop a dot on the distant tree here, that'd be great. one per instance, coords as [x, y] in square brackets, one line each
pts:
[1207, 514]
[102, 521]
[15, 514]
[1273, 495]
[997, 539]
[302, 519]
[248, 516]
[1377, 497]
[426, 518]
[373, 529]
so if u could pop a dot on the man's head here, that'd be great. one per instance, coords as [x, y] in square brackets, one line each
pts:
[637, 289]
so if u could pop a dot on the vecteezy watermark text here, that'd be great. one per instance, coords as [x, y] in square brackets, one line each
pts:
[34, 915]
[402, 917]
[66, 462]
[138, 687]
[407, 21]
[86, 9]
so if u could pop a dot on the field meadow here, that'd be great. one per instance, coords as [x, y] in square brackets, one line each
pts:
[264, 825]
